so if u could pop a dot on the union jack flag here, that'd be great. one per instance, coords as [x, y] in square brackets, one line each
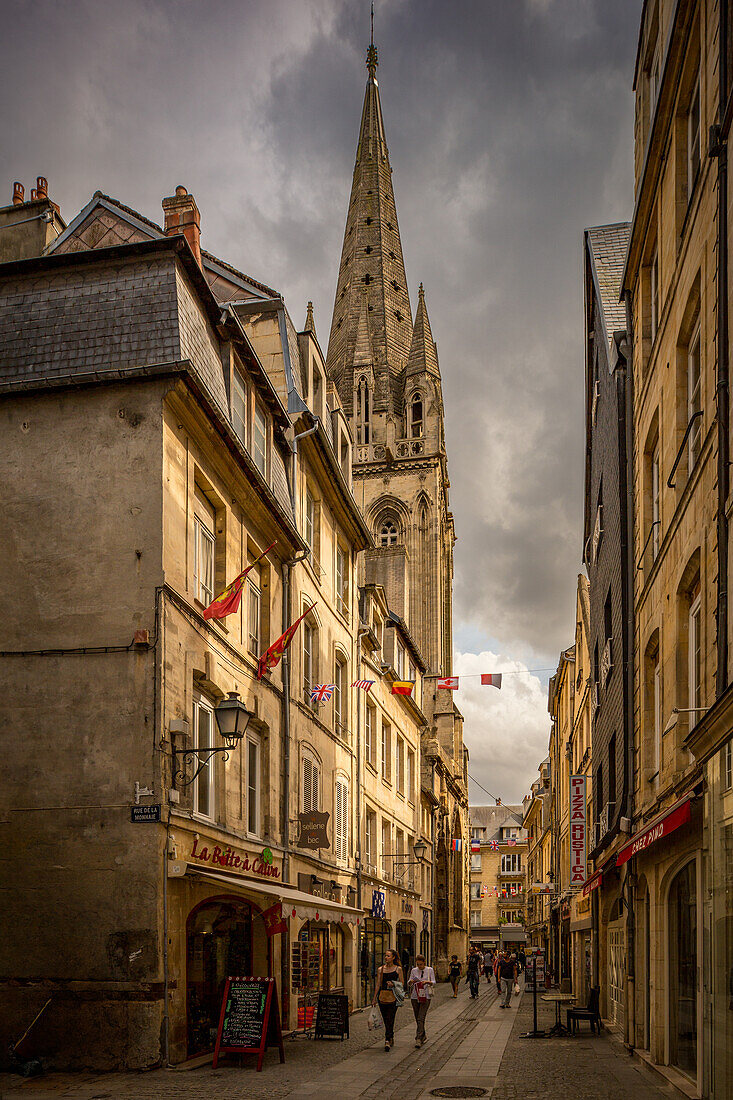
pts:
[494, 845]
[321, 693]
[366, 685]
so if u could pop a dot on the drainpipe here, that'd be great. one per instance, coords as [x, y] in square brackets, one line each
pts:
[359, 635]
[628, 800]
[719, 149]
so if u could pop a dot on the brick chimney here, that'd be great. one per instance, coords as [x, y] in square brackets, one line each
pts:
[18, 194]
[182, 216]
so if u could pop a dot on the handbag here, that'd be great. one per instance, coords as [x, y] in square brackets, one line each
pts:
[374, 1019]
[516, 988]
[386, 997]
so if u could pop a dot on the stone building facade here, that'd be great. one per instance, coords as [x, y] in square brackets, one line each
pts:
[385, 368]
[498, 902]
[185, 428]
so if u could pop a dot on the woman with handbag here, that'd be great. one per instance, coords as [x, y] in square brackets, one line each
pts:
[421, 982]
[389, 974]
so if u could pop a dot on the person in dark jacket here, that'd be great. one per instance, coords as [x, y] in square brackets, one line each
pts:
[473, 971]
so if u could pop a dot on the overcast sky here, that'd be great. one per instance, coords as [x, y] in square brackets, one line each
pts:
[510, 129]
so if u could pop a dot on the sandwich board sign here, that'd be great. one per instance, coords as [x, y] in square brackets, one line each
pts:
[250, 1019]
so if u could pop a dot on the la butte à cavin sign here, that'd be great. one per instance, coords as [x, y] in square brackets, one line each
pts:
[227, 857]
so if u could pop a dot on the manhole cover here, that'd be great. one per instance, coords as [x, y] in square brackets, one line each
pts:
[459, 1090]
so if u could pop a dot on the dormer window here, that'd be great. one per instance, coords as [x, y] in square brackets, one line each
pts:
[416, 417]
[388, 534]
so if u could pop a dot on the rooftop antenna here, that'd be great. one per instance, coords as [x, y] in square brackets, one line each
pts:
[372, 37]
[372, 51]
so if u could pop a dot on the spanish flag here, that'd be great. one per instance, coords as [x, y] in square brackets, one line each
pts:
[271, 657]
[402, 687]
[227, 602]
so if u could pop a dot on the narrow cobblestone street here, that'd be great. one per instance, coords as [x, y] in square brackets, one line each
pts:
[469, 1043]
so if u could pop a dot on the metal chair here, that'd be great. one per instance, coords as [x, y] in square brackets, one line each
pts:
[591, 1012]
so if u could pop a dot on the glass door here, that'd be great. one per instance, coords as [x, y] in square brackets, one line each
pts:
[683, 971]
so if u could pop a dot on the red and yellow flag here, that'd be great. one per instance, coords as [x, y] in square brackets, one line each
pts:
[271, 657]
[402, 687]
[227, 602]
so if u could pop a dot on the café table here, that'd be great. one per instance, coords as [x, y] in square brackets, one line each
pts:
[558, 1028]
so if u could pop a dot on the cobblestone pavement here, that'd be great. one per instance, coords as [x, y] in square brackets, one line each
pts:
[586, 1067]
[304, 1060]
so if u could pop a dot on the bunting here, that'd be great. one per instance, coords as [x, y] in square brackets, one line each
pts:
[402, 687]
[365, 685]
[271, 657]
[227, 602]
[321, 693]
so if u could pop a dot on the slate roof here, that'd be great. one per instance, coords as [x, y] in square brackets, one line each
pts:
[494, 818]
[607, 246]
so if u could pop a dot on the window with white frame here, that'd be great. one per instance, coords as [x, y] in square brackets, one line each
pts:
[400, 764]
[239, 406]
[254, 615]
[370, 839]
[311, 783]
[310, 520]
[341, 800]
[727, 768]
[386, 750]
[411, 775]
[342, 581]
[386, 846]
[475, 861]
[475, 918]
[475, 891]
[694, 397]
[693, 139]
[370, 734]
[694, 643]
[204, 785]
[340, 696]
[399, 659]
[310, 638]
[512, 863]
[259, 439]
[253, 785]
[654, 293]
[204, 547]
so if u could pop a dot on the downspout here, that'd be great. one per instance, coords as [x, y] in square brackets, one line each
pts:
[359, 635]
[719, 149]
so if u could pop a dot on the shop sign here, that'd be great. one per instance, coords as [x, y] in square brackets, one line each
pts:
[542, 888]
[313, 832]
[592, 884]
[407, 907]
[578, 830]
[226, 857]
[318, 888]
[680, 815]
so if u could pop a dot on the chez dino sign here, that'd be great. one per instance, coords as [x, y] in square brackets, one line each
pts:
[224, 856]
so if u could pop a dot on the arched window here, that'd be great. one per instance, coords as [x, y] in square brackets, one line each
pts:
[363, 412]
[388, 533]
[416, 418]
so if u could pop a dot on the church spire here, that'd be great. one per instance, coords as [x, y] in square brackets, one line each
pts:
[371, 258]
[423, 357]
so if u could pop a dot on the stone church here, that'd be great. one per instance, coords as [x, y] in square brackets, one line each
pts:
[385, 367]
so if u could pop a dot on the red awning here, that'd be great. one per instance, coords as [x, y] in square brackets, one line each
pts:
[592, 883]
[662, 826]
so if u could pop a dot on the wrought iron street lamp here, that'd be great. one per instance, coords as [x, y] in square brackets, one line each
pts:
[232, 719]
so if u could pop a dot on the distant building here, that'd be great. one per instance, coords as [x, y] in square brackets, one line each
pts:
[497, 874]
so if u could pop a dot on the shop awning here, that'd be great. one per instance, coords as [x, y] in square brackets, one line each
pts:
[296, 903]
[662, 826]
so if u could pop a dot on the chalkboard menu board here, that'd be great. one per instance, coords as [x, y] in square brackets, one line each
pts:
[332, 1016]
[250, 1019]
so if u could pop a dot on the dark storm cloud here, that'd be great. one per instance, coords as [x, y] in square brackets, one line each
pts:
[510, 127]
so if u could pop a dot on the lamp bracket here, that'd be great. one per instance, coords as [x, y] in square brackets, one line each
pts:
[186, 756]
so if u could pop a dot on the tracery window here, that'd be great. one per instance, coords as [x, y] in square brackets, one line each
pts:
[416, 416]
[388, 534]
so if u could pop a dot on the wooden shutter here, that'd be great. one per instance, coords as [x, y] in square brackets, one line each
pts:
[307, 783]
[341, 820]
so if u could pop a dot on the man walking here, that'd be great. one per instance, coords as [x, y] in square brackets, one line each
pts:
[508, 974]
[488, 965]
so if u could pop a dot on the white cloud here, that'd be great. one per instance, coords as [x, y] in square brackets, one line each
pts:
[506, 731]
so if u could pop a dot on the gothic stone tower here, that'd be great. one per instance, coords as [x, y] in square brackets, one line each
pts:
[387, 374]
[386, 371]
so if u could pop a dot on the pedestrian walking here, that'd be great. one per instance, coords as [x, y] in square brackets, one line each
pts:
[389, 973]
[497, 960]
[473, 968]
[488, 966]
[454, 973]
[508, 974]
[421, 983]
[521, 959]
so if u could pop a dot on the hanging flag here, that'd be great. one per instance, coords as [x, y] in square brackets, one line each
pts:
[365, 685]
[511, 842]
[227, 602]
[450, 683]
[402, 687]
[456, 845]
[321, 693]
[475, 845]
[271, 657]
[491, 679]
[273, 918]
[494, 845]
[378, 904]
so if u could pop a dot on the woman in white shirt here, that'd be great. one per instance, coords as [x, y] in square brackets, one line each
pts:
[420, 983]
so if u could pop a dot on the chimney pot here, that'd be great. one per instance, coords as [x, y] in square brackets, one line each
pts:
[181, 215]
[181, 190]
[42, 187]
[18, 193]
[34, 194]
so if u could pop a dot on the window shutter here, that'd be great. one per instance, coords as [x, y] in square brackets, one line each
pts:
[307, 784]
[316, 793]
[341, 820]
